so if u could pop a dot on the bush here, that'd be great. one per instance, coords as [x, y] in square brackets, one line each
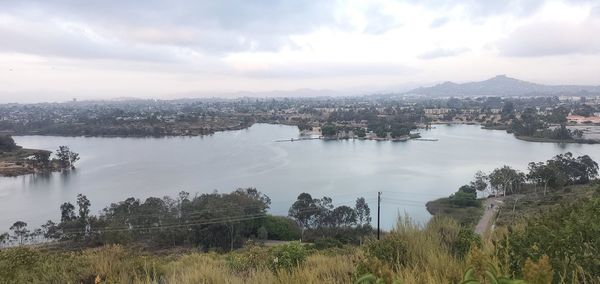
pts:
[392, 249]
[248, 259]
[464, 199]
[567, 235]
[466, 239]
[15, 263]
[288, 256]
[282, 228]
[325, 243]
[7, 144]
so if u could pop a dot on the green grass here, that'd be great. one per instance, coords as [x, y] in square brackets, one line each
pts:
[16, 156]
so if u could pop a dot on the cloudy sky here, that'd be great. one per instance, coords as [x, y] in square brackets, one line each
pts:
[52, 50]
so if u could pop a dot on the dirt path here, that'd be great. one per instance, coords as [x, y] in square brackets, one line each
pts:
[488, 214]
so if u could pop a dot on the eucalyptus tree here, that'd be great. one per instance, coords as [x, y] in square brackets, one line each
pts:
[20, 231]
[506, 180]
[363, 212]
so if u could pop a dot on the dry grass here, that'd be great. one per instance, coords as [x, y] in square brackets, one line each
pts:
[427, 260]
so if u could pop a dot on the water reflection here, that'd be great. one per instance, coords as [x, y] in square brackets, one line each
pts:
[39, 179]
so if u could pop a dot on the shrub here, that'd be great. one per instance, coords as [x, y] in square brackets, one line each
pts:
[325, 243]
[392, 249]
[538, 272]
[568, 235]
[16, 262]
[288, 256]
[248, 259]
[282, 228]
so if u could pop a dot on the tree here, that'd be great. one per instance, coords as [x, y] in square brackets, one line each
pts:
[323, 215]
[343, 216]
[545, 175]
[66, 158]
[506, 180]
[282, 228]
[84, 206]
[360, 132]
[20, 231]
[73, 158]
[7, 144]
[41, 159]
[329, 130]
[578, 170]
[51, 231]
[528, 124]
[480, 181]
[4, 238]
[262, 233]
[562, 133]
[508, 110]
[381, 132]
[363, 212]
[67, 212]
[304, 211]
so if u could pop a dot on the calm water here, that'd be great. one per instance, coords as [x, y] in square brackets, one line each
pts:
[409, 173]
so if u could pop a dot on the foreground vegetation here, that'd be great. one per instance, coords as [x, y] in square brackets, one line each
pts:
[440, 252]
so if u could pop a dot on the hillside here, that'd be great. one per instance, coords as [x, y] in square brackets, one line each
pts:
[502, 85]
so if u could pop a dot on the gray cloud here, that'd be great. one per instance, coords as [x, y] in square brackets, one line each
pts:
[205, 26]
[552, 38]
[443, 52]
[50, 40]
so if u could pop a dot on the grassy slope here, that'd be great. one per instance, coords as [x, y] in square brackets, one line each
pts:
[427, 258]
[467, 216]
[521, 206]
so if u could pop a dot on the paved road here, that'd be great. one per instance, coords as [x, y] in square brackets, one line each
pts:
[488, 214]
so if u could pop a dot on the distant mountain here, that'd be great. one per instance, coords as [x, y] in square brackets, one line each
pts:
[502, 85]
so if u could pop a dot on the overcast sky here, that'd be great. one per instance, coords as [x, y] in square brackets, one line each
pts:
[53, 50]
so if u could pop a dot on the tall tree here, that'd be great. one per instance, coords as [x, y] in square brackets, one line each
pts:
[4, 238]
[480, 182]
[66, 157]
[51, 230]
[363, 212]
[84, 213]
[343, 216]
[67, 212]
[506, 180]
[41, 159]
[304, 211]
[20, 231]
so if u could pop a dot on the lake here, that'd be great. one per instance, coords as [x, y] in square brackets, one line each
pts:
[408, 173]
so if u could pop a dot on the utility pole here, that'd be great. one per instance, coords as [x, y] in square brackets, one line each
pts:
[378, 212]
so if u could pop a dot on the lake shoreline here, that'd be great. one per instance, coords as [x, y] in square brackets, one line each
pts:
[16, 163]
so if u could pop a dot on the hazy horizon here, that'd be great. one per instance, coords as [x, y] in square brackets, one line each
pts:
[97, 50]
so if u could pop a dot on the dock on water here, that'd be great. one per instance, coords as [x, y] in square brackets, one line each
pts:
[298, 139]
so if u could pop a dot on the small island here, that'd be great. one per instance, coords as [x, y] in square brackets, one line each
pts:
[16, 160]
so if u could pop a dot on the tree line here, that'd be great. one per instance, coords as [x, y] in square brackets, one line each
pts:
[222, 221]
[561, 170]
